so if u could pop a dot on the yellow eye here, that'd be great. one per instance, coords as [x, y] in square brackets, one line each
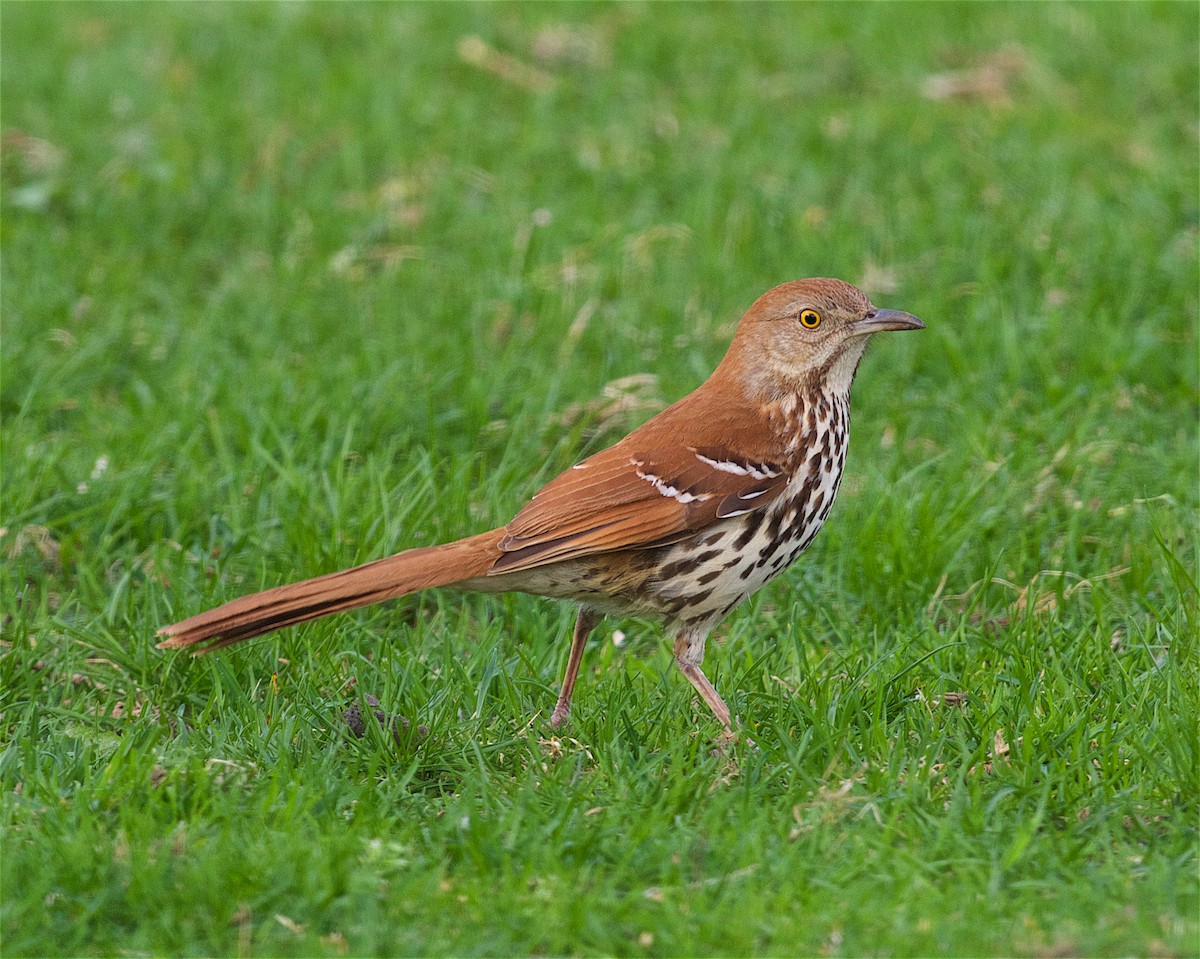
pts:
[810, 319]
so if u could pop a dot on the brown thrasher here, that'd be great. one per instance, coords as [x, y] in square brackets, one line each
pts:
[680, 521]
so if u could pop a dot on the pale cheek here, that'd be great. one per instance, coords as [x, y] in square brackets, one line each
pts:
[798, 355]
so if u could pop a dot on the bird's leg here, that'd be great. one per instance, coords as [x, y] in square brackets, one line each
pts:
[689, 653]
[584, 625]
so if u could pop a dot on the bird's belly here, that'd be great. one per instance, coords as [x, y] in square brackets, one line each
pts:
[706, 577]
[700, 579]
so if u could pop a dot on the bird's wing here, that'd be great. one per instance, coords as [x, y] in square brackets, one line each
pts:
[625, 498]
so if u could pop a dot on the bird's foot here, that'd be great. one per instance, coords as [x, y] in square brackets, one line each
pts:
[729, 739]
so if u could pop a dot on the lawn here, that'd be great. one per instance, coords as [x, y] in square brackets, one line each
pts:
[290, 287]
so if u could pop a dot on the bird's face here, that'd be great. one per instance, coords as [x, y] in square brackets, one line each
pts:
[810, 334]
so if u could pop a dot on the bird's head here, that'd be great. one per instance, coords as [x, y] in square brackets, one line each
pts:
[807, 335]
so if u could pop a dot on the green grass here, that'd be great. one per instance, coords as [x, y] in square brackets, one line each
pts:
[277, 298]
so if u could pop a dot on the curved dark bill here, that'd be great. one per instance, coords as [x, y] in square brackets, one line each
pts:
[879, 321]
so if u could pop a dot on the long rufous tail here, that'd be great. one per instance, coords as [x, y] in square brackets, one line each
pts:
[407, 572]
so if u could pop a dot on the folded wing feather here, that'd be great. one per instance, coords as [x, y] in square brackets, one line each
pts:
[626, 498]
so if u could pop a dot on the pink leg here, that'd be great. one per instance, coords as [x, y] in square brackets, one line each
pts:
[688, 653]
[584, 625]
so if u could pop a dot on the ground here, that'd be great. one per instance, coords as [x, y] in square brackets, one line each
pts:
[287, 288]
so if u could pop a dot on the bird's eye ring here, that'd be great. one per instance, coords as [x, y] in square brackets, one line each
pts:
[810, 319]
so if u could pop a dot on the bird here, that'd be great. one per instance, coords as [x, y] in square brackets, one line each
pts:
[677, 523]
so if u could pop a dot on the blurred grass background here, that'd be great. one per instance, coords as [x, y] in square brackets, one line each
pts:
[288, 287]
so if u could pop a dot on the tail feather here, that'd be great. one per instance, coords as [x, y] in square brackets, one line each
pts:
[383, 579]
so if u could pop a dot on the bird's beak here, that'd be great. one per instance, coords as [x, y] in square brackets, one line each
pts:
[878, 321]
